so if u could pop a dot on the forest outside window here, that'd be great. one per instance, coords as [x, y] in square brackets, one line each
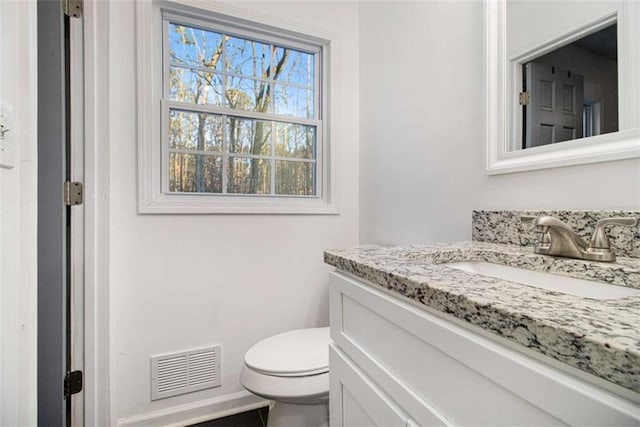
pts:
[242, 112]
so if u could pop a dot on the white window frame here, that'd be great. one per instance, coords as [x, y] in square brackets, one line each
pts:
[153, 111]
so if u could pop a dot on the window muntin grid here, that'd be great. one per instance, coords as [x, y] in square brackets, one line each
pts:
[285, 111]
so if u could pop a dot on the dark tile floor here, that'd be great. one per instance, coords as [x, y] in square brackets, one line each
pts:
[256, 418]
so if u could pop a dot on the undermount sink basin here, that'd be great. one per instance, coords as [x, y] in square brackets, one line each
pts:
[552, 282]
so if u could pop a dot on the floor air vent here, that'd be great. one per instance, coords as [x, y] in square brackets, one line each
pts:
[179, 373]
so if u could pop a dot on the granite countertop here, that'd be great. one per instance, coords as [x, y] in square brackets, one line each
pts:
[601, 337]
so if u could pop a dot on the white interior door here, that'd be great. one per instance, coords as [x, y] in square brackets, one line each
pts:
[554, 111]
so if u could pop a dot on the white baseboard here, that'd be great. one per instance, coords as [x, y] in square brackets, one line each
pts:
[196, 412]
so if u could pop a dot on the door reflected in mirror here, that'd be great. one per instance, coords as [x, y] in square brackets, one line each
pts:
[572, 91]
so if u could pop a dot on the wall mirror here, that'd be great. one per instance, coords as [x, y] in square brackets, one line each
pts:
[563, 83]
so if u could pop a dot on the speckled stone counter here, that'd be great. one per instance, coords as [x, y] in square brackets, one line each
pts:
[601, 337]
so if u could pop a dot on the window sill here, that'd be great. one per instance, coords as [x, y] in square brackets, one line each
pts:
[221, 205]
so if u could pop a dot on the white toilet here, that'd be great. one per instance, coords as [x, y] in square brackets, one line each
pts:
[292, 370]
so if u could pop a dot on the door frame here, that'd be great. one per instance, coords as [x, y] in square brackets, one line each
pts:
[76, 237]
[60, 227]
[99, 409]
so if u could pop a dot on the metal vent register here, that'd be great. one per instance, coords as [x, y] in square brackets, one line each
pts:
[179, 373]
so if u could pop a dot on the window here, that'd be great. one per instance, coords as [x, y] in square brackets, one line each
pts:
[243, 124]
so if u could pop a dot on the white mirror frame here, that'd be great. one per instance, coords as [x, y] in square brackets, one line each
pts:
[501, 123]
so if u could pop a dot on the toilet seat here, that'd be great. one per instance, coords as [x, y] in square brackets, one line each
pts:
[298, 353]
[292, 367]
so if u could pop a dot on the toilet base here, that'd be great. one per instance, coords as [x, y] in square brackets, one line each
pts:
[288, 415]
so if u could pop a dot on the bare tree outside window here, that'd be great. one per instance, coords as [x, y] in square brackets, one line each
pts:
[240, 116]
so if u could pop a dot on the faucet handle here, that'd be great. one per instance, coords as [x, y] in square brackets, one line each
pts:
[528, 219]
[599, 239]
[542, 231]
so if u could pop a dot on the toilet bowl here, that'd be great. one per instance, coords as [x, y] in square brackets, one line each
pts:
[292, 370]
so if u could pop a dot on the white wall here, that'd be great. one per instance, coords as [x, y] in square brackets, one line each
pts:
[18, 196]
[420, 119]
[179, 282]
[421, 132]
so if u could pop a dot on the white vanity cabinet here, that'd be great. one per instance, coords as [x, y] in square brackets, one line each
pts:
[393, 363]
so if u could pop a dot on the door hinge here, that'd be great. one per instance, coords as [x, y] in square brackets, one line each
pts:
[72, 8]
[524, 98]
[72, 383]
[73, 193]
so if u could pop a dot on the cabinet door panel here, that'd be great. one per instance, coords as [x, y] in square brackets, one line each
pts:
[357, 400]
[353, 414]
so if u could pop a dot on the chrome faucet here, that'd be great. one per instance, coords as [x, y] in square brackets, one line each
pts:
[558, 239]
